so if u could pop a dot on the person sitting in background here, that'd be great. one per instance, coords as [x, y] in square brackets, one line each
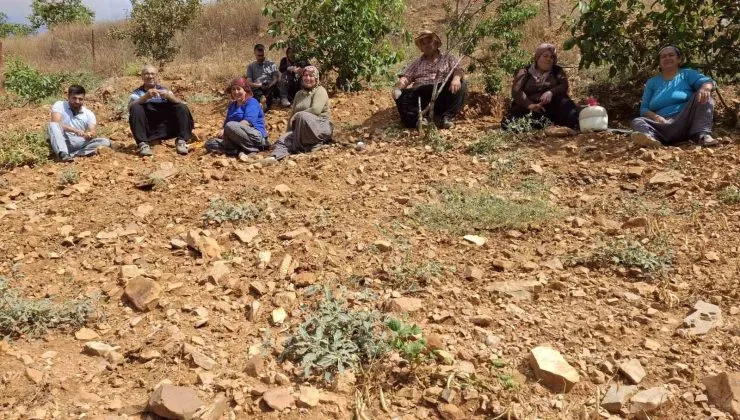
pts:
[291, 70]
[420, 77]
[540, 90]
[244, 126]
[263, 76]
[155, 113]
[72, 127]
[676, 105]
[309, 122]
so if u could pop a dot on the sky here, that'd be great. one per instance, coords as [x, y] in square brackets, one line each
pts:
[18, 10]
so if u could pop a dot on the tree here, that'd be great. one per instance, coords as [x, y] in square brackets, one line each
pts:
[348, 36]
[154, 24]
[626, 34]
[15, 29]
[54, 12]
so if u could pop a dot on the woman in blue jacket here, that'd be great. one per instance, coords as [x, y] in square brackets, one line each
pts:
[676, 105]
[244, 125]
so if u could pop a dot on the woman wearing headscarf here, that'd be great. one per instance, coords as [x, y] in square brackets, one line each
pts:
[308, 122]
[541, 89]
[676, 105]
[244, 125]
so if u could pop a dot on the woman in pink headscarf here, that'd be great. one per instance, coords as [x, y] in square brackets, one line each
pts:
[541, 89]
[308, 123]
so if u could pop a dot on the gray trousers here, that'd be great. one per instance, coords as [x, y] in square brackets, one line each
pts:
[693, 122]
[74, 145]
[308, 131]
[237, 138]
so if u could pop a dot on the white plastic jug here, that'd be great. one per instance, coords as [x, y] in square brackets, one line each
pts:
[593, 117]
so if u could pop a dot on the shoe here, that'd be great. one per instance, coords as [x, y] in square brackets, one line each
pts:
[708, 141]
[145, 150]
[181, 146]
[643, 140]
[65, 157]
[284, 102]
[447, 123]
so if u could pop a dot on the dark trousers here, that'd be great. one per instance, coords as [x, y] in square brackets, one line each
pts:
[158, 121]
[560, 111]
[448, 104]
[269, 94]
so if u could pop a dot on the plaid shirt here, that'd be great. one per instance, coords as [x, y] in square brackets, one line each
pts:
[424, 72]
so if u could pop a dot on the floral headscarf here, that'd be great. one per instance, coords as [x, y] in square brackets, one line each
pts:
[315, 71]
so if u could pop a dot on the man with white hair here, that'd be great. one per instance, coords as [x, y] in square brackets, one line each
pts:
[155, 113]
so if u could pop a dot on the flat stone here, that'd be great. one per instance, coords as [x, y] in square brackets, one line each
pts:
[473, 273]
[383, 246]
[723, 390]
[635, 222]
[278, 316]
[97, 348]
[129, 271]
[481, 320]
[518, 289]
[705, 317]
[279, 399]
[617, 397]
[666, 178]
[246, 235]
[218, 271]
[633, 370]
[651, 344]
[304, 279]
[255, 366]
[176, 243]
[174, 402]
[143, 293]
[450, 412]
[282, 190]
[404, 305]
[36, 376]
[295, 234]
[502, 265]
[86, 334]
[474, 239]
[552, 370]
[649, 400]
[199, 359]
[308, 396]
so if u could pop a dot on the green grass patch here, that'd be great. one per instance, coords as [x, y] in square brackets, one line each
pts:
[651, 260]
[23, 147]
[729, 195]
[202, 98]
[412, 277]
[462, 210]
[492, 142]
[222, 210]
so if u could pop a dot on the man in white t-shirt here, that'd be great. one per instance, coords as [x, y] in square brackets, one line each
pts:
[72, 127]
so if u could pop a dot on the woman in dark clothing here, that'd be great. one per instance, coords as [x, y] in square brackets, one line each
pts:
[542, 91]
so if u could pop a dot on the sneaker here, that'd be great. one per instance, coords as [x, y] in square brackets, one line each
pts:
[145, 149]
[181, 146]
[643, 140]
[65, 157]
[447, 123]
[284, 102]
[708, 141]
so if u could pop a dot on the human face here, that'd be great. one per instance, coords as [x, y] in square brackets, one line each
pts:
[669, 59]
[545, 62]
[76, 101]
[289, 53]
[149, 76]
[428, 46]
[309, 80]
[259, 55]
[238, 93]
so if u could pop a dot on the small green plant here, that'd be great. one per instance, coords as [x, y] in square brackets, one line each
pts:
[221, 210]
[18, 148]
[491, 142]
[69, 177]
[461, 210]
[20, 316]
[203, 98]
[411, 276]
[631, 254]
[408, 340]
[507, 381]
[528, 124]
[29, 83]
[433, 139]
[505, 166]
[729, 195]
[334, 338]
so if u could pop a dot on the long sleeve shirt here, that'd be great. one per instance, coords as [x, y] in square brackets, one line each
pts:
[668, 97]
[424, 72]
[250, 111]
[526, 90]
[315, 101]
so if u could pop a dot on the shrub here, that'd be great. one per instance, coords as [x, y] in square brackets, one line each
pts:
[729, 195]
[334, 338]
[69, 177]
[432, 138]
[29, 83]
[411, 276]
[20, 316]
[15, 29]
[408, 340]
[221, 210]
[50, 13]
[630, 254]
[18, 148]
[349, 36]
[154, 24]
[491, 142]
[626, 34]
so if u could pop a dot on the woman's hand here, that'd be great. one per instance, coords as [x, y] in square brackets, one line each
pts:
[546, 98]
[455, 85]
[705, 93]
[536, 108]
[220, 134]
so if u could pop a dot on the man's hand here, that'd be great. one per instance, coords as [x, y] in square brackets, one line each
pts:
[455, 85]
[536, 108]
[396, 93]
[152, 93]
[546, 98]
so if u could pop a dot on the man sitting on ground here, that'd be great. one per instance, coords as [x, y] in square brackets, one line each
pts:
[155, 113]
[72, 127]
[263, 77]
[419, 79]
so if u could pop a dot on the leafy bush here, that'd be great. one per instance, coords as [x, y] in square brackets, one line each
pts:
[630, 254]
[335, 338]
[408, 340]
[50, 13]
[29, 83]
[15, 29]
[349, 36]
[461, 210]
[492, 40]
[434, 140]
[626, 34]
[221, 210]
[69, 177]
[154, 24]
[20, 316]
[729, 195]
[18, 148]
[412, 276]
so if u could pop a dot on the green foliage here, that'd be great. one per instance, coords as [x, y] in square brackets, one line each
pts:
[334, 338]
[631, 254]
[221, 210]
[462, 210]
[69, 177]
[492, 142]
[626, 34]
[202, 98]
[12, 29]
[154, 25]
[729, 195]
[348, 36]
[527, 124]
[507, 381]
[408, 340]
[411, 276]
[23, 147]
[29, 83]
[50, 13]
[20, 316]
[434, 140]
[492, 38]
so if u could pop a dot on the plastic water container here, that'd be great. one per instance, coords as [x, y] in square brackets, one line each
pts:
[593, 117]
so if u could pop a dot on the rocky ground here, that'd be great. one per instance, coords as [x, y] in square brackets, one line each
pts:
[608, 289]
